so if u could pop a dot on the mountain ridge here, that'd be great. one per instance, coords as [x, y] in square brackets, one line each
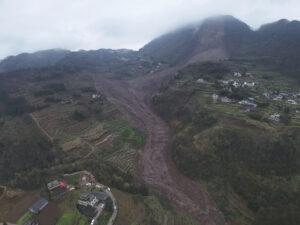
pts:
[214, 38]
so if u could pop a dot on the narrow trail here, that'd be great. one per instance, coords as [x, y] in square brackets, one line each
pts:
[39, 126]
[94, 147]
[4, 191]
[155, 166]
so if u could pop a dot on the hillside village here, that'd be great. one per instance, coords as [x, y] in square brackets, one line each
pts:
[258, 93]
[91, 200]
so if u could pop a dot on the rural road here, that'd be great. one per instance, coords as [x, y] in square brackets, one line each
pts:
[155, 167]
[107, 191]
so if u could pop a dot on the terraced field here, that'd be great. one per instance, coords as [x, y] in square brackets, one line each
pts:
[124, 159]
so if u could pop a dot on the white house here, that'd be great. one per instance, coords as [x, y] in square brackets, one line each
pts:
[291, 101]
[248, 84]
[215, 96]
[245, 102]
[275, 117]
[237, 74]
[225, 100]
[87, 199]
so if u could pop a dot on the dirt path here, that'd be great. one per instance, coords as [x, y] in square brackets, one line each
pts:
[39, 126]
[4, 191]
[155, 166]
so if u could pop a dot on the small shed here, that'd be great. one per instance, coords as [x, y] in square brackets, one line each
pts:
[38, 206]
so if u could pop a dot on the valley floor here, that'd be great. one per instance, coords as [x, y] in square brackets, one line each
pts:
[155, 166]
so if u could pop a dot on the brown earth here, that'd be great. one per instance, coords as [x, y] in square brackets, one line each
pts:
[155, 166]
[49, 215]
[12, 208]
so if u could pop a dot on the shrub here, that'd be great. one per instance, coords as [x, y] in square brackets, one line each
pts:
[55, 87]
[51, 100]
[79, 116]
[88, 89]
[255, 116]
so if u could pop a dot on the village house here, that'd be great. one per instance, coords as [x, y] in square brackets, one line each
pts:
[96, 96]
[275, 117]
[101, 196]
[277, 97]
[234, 83]
[52, 185]
[248, 75]
[201, 81]
[291, 101]
[225, 100]
[215, 96]
[55, 187]
[245, 102]
[248, 84]
[87, 199]
[225, 82]
[237, 74]
[38, 206]
[266, 94]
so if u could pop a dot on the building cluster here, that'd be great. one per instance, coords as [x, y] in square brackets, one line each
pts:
[90, 203]
[289, 97]
[237, 83]
[238, 74]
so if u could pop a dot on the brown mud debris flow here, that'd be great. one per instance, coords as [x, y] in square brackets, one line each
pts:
[155, 167]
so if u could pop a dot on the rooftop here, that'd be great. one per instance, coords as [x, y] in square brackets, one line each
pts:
[86, 197]
[53, 184]
[38, 205]
[100, 195]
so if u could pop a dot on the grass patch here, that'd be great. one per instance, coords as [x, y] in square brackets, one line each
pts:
[71, 217]
[104, 217]
[72, 179]
[129, 133]
[28, 215]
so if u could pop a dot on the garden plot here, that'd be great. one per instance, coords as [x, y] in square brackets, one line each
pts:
[124, 159]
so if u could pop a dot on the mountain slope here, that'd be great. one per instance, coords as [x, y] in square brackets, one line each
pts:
[244, 170]
[32, 60]
[227, 37]
[207, 40]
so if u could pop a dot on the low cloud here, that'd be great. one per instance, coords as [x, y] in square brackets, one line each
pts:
[31, 25]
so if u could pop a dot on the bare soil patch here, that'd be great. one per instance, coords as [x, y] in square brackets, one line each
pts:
[11, 209]
[49, 215]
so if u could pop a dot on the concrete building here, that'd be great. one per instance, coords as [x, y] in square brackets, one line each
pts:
[87, 199]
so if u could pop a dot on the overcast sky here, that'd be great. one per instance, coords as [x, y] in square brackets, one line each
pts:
[31, 25]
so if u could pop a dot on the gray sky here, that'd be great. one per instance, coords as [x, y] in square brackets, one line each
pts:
[31, 25]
